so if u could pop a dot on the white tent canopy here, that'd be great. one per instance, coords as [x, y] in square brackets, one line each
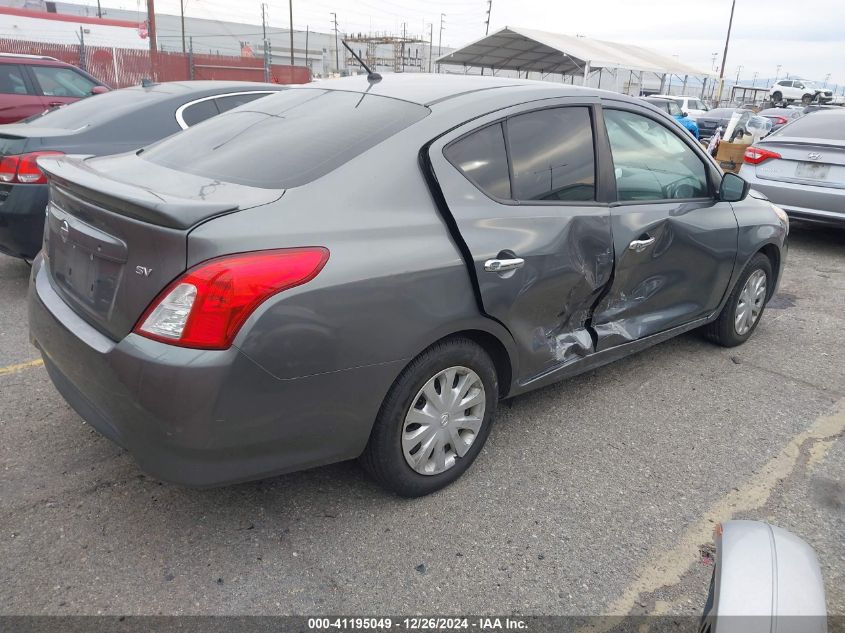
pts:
[516, 48]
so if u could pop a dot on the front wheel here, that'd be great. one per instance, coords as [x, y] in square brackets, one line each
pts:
[434, 420]
[807, 99]
[777, 97]
[744, 308]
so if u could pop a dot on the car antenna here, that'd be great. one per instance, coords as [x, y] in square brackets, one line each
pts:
[371, 76]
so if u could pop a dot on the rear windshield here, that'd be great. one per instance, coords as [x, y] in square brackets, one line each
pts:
[287, 139]
[96, 109]
[827, 126]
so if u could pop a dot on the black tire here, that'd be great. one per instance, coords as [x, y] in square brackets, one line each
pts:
[807, 99]
[383, 457]
[777, 97]
[722, 331]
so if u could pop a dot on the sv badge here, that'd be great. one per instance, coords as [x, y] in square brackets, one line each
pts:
[143, 271]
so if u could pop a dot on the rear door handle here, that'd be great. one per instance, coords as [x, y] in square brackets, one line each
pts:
[640, 245]
[503, 265]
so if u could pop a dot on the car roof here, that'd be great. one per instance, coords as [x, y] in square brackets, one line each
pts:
[428, 89]
[38, 60]
[182, 87]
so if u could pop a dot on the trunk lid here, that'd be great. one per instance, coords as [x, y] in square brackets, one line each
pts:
[813, 162]
[112, 243]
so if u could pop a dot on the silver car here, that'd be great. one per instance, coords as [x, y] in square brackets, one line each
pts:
[801, 167]
[364, 269]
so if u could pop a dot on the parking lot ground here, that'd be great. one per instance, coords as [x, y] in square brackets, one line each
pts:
[593, 496]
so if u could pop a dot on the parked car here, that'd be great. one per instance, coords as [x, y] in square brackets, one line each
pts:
[714, 119]
[801, 167]
[668, 105]
[30, 84]
[229, 306]
[788, 90]
[693, 106]
[780, 116]
[116, 122]
[765, 579]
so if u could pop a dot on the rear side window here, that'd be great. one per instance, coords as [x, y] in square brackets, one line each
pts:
[482, 158]
[817, 125]
[200, 111]
[11, 80]
[650, 161]
[62, 82]
[286, 140]
[552, 155]
[224, 104]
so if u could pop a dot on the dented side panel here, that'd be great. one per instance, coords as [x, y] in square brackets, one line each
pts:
[567, 250]
[681, 276]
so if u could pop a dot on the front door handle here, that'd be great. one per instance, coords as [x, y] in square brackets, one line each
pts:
[640, 245]
[503, 265]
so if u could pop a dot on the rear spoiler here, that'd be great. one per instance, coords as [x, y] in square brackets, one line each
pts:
[73, 175]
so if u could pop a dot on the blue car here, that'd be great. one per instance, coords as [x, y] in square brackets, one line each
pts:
[671, 107]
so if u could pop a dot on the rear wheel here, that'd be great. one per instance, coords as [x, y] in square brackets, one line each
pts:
[435, 419]
[777, 97]
[744, 308]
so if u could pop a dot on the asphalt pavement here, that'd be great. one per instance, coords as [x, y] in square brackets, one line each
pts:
[594, 496]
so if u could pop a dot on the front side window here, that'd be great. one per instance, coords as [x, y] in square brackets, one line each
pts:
[552, 155]
[62, 82]
[651, 162]
[11, 80]
[674, 109]
[482, 158]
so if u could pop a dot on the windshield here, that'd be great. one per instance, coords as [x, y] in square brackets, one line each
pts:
[287, 139]
[95, 110]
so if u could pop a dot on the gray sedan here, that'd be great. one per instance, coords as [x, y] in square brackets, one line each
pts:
[364, 268]
[801, 167]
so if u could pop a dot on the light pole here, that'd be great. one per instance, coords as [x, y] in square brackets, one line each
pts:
[440, 39]
[754, 80]
[826, 79]
[777, 72]
[738, 70]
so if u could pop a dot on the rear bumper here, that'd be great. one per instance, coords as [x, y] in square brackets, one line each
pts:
[201, 418]
[22, 219]
[824, 205]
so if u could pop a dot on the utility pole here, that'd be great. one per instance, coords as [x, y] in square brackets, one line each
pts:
[99, 10]
[440, 39]
[151, 20]
[777, 72]
[487, 21]
[738, 70]
[404, 37]
[725, 54]
[754, 80]
[336, 51]
[182, 10]
[713, 61]
[430, 43]
[307, 32]
[826, 79]
[290, 6]
[264, 20]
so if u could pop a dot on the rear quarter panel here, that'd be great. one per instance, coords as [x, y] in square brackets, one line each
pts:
[394, 284]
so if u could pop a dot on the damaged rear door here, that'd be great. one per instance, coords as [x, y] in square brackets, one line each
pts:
[675, 243]
[526, 198]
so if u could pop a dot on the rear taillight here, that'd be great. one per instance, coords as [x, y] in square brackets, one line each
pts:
[778, 120]
[756, 155]
[205, 307]
[22, 168]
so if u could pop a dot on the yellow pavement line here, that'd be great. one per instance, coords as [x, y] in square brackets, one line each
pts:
[666, 568]
[14, 369]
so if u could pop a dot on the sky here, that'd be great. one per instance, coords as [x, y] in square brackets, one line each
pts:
[806, 38]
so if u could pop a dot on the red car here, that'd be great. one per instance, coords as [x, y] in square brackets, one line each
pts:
[30, 84]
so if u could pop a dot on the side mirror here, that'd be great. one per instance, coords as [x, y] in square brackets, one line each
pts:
[98, 90]
[733, 188]
[685, 113]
